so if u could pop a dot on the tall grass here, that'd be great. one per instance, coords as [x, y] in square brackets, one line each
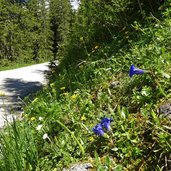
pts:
[17, 148]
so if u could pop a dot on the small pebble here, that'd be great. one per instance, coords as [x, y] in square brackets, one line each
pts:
[165, 109]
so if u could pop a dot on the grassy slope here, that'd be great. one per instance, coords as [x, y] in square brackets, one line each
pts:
[71, 106]
[14, 65]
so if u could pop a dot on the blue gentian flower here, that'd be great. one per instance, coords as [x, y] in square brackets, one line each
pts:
[98, 130]
[134, 70]
[106, 123]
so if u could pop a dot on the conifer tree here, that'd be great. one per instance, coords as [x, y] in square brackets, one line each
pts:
[60, 18]
[39, 29]
[25, 31]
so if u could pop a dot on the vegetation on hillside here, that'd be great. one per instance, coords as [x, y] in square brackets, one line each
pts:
[31, 30]
[109, 100]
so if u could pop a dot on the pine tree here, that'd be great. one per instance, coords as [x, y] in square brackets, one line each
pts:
[60, 18]
[25, 31]
[40, 30]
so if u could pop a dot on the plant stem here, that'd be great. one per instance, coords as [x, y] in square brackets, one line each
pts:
[73, 136]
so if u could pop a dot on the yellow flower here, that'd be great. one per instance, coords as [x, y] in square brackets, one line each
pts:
[62, 88]
[96, 47]
[74, 96]
[32, 118]
[91, 139]
[83, 118]
[2, 93]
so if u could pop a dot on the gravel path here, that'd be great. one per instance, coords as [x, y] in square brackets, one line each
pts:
[15, 85]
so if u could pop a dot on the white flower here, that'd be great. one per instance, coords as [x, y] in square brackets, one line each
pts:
[39, 127]
[45, 136]
[40, 118]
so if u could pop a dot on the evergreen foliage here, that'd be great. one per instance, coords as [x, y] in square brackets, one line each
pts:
[25, 32]
[60, 21]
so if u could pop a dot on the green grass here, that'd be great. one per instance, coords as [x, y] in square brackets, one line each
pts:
[13, 65]
[57, 126]
[18, 148]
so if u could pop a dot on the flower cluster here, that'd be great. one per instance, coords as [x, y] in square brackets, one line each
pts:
[105, 124]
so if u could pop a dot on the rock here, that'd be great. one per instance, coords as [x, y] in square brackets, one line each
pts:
[114, 84]
[165, 109]
[80, 167]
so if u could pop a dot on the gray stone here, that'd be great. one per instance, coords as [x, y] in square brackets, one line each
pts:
[165, 109]
[80, 167]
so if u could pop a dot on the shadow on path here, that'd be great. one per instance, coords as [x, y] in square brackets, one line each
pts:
[20, 88]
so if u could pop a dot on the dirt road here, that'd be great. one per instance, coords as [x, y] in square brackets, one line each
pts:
[16, 84]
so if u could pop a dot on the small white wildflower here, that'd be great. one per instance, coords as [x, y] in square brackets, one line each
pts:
[39, 127]
[40, 118]
[45, 136]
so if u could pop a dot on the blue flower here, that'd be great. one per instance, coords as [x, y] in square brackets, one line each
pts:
[98, 130]
[134, 70]
[106, 123]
